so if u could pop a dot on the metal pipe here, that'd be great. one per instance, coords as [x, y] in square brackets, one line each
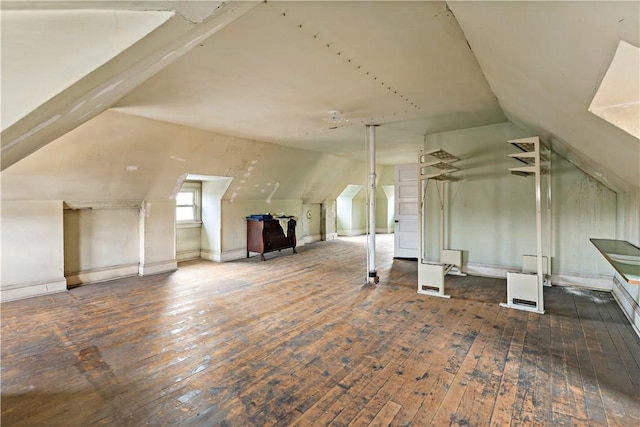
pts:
[539, 228]
[373, 274]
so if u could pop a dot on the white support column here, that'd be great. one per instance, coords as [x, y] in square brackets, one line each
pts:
[372, 276]
[547, 243]
[443, 212]
[539, 229]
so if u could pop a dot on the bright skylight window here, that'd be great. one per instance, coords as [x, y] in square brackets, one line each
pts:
[618, 97]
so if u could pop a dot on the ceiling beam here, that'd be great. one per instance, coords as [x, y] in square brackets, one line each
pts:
[100, 89]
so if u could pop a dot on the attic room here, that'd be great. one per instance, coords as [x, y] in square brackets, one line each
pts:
[137, 137]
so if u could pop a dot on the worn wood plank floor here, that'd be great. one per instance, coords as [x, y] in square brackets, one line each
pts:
[298, 340]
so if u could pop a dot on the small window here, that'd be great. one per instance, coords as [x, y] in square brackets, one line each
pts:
[188, 202]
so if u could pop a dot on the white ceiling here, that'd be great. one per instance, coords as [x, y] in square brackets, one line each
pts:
[273, 71]
[278, 71]
[545, 61]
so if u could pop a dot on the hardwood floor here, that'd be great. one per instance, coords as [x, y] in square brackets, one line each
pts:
[298, 340]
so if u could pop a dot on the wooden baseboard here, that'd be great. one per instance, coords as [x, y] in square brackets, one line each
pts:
[312, 238]
[561, 279]
[21, 291]
[486, 270]
[232, 255]
[157, 267]
[101, 274]
[597, 283]
[351, 233]
[223, 256]
[188, 255]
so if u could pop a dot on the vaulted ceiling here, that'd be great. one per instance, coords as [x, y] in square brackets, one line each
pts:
[274, 72]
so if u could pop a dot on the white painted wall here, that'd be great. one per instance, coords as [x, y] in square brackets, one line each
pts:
[311, 225]
[359, 215]
[32, 249]
[582, 209]
[100, 244]
[329, 225]
[629, 217]
[350, 221]
[188, 241]
[210, 237]
[389, 215]
[157, 237]
[492, 213]
[385, 208]
[352, 205]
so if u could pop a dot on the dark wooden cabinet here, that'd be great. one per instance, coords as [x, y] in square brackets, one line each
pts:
[266, 235]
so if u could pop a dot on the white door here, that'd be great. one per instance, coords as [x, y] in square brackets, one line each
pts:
[406, 212]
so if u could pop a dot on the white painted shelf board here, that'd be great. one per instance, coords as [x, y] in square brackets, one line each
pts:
[440, 165]
[440, 177]
[441, 155]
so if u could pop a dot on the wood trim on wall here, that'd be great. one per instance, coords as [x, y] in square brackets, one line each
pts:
[101, 274]
[188, 255]
[158, 267]
[22, 290]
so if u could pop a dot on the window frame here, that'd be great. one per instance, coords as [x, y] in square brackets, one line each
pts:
[194, 187]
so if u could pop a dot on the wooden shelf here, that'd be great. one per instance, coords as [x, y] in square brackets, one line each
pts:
[441, 155]
[441, 177]
[443, 165]
[526, 158]
[440, 165]
[524, 146]
[523, 171]
[623, 257]
[531, 149]
[527, 145]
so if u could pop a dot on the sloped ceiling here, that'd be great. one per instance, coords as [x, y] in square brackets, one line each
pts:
[66, 57]
[273, 72]
[545, 61]
[278, 71]
[66, 62]
[118, 159]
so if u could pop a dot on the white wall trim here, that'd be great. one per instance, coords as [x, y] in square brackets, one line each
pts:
[312, 238]
[188, 255]
[223, 256]
[157, 267]
[350, 233]
[560, 279]
[210, 255]
[486, 270]
[629, 307]
[597, 283]
[101, 274]
[22, 290]
[331, 236]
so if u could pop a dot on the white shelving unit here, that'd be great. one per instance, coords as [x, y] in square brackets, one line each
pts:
[436, 165]
[525, 289]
